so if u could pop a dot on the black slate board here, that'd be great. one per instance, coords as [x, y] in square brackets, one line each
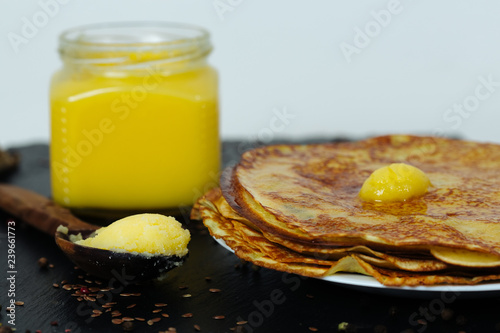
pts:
[268, 301]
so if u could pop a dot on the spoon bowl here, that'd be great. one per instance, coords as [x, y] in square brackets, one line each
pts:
[45, 215]
[131, 267]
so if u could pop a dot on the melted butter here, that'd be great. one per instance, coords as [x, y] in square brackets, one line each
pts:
[395, 182]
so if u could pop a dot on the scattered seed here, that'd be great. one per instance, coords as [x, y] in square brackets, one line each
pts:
[95, 315]
[88, 298]
[447, 314]
[51, 266]
[156, 319]
[219, 317]
[214, 290]
[43, 262]
[187, 315]
[165, 315]
[55, 285]
[64, 281]
[6, 329]
[183, 287]
[140, 319]
[172, 329]
[67, 287]
[125, 294]
[197, 327]
[19, 303]
[186, 295]
[94, 289]
[105, 289]
[131, 306]
[157, 310]
[128, 319]
[99, 296]
[135, 294]
[116, 321]
[208, 278]
[96, 311]
[159, 305]
[88, 281]
[116, 313]
[80, 276]
[128, 326]
[313, 329]
[241, 322]
[79, 299]
[150, 322]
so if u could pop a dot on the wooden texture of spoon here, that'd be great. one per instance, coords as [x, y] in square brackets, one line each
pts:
[47, 216]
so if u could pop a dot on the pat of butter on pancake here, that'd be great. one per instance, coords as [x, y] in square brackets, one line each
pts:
[395, 182]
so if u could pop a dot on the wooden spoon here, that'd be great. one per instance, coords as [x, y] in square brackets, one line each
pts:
[47, 216]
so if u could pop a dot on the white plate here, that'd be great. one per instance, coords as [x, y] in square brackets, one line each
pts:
[369, 284]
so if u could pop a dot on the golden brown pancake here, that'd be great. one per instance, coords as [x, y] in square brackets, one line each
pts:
[295, 208]
[309, 193]
[249, 244]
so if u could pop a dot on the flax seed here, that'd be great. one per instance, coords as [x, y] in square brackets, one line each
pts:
[116, 321]
[140, 319]
[127, 319]
[157, 310]
[197, 327]
[214, 290]
[219, 317]
[166, 315]
[131, 306]
[159, 305]
[187, 315]
[43, 262]
[19, 303]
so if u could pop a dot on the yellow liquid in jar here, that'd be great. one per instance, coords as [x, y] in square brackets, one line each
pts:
[134, 142]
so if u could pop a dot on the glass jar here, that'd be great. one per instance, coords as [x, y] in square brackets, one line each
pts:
[134, 119]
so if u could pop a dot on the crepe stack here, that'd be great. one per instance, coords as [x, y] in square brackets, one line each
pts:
[296, 208]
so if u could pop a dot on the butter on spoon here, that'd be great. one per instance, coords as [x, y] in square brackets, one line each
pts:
[126, 267]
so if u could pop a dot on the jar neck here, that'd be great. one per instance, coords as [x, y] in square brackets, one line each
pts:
[135, 48]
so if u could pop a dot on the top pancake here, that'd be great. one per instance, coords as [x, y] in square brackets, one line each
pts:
[310, 193]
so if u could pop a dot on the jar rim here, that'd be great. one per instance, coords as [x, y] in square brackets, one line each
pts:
[111, 42]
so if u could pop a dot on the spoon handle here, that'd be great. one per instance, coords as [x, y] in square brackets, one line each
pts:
[38, 211]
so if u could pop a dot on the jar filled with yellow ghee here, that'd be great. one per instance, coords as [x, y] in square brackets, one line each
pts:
[134, 118]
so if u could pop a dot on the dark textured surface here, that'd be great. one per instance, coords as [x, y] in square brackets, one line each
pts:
[246, 293]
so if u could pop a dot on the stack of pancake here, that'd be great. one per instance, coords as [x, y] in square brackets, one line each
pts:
[296, 208]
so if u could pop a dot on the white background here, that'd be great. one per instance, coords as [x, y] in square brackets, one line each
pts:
[286, 57]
